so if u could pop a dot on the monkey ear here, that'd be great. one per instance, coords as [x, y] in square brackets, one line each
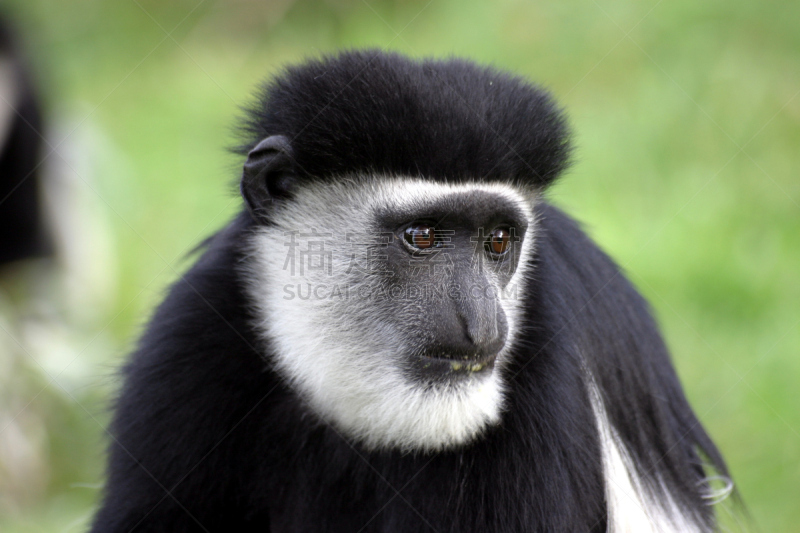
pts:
[268, 174]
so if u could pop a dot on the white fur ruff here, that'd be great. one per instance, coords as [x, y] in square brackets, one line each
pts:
[341, 354]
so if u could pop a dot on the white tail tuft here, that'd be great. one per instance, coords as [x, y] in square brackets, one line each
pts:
[632, 506]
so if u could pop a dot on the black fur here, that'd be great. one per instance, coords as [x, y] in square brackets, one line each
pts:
[207, 438]
[22, 230]
[372, 111]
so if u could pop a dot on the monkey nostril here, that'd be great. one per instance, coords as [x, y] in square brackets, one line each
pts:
[484, 337]
[490, 344]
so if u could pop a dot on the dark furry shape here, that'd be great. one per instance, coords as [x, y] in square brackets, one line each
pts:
[22, 230]
[207, 437]
[351, 113]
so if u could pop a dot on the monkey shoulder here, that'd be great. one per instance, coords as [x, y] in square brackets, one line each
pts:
[196, 382]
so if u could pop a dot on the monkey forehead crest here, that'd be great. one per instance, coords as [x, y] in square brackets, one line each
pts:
[449, 119]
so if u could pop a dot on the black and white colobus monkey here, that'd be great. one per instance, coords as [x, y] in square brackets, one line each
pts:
[398, 334]
[23, 232]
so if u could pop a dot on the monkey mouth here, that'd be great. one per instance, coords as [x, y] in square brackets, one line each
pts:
[437, 366]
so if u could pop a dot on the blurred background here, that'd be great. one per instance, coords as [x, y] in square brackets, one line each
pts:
[687, 130]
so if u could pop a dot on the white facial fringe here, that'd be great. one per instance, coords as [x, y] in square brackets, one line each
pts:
[342, 356]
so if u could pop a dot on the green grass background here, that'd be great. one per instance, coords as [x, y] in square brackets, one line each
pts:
[687, 130]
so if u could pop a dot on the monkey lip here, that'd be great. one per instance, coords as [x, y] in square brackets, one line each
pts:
[460, 366]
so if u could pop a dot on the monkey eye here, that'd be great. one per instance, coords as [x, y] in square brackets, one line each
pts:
[499, 241]
[421, 237]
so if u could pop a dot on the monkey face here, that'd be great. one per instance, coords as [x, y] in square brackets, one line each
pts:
[391, 305]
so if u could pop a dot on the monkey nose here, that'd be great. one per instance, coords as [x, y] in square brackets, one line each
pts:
[484, 328]
[471, 337]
